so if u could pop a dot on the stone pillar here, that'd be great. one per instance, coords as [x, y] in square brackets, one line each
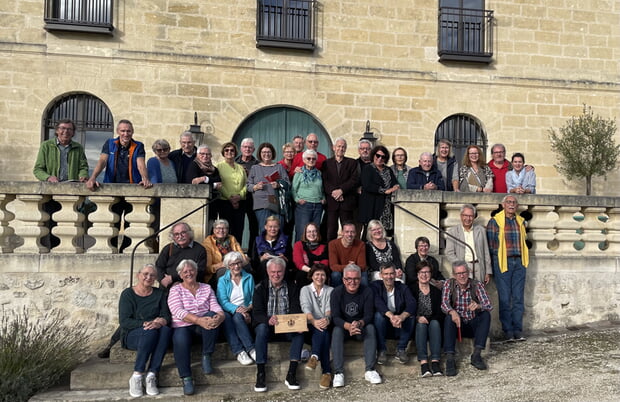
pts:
[30, 225]
[613, 231]
[593, 230]
[5, 230]
[103, 220]
[69, 224]
[541, 230]
[140, 220]
[567, 231]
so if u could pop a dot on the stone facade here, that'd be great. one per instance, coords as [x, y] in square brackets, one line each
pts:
[375, 60]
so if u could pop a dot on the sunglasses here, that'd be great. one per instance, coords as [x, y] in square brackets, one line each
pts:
[384, 157]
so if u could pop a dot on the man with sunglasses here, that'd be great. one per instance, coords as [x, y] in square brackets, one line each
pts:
[312, 142]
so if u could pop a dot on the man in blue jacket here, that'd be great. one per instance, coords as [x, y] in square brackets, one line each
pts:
[426, 176]
[395, 310]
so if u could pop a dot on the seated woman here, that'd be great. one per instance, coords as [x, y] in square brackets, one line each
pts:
[422, 245]
[315, 301]
[235, 290]
[144, 318]
[195, 311]
[428, 320]
[271, 243]
[381, 251]
[218, 245]
[308, 251]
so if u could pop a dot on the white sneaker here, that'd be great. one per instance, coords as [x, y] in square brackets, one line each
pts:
[338, 380]
[252, 354]
[151, 384]
[244, 359]
[135, 386]
[372, 377]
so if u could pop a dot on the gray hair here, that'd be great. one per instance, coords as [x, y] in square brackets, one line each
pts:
[204, 146]
[162, 143]
[309, 152]
[498, 145]
[374, 223]
[459, 263]
[147, 266]
[247, 140]
[426, 154]
[221, 222]
[340, 139]
[232, 257]
[352, 268]
[364, 141]
[509, 195]
[185, 262]
[468, 206]
[188, 228]
[277, 261]
[187, 134]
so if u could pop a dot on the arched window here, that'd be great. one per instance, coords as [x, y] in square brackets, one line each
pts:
[462, 130]
[93, 122]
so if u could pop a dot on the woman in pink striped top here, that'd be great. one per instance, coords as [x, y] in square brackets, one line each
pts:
[195, 312]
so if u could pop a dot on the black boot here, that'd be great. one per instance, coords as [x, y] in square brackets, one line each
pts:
[261, 382]
[291, 377]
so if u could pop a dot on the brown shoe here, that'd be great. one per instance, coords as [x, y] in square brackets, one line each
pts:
[312, 363]
[326, 379]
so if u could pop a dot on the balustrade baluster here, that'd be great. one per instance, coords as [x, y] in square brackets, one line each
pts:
[69, 224]
[140, 220]
[593, 230]
[541, 229]
[103, 220]
[30, 223]
[6, 217]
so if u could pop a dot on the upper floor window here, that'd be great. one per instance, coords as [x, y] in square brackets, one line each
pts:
[285, 23]
[93, 122]
[79, 15]
[461, 130]
[465, 31]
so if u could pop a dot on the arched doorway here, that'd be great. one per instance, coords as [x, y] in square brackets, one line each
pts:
[461, 130]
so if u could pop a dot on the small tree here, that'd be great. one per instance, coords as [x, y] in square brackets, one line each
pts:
[585, 147]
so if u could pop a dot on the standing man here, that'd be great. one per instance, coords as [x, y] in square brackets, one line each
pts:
[447, 165]
[298, 144]
[274, 296]
[467, 307]
[312, 142]
[479, 263]
[395, 311]
[345, 251]
[426, 176]
[352, 306]
[363, 149]
[340, 178]
[509, 253]
[246, 159]
[184, 157]
[499, 166]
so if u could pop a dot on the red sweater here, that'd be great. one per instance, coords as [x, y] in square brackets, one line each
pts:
[339, 255]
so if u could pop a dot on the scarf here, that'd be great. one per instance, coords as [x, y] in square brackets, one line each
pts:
[206, 168]
[308, 176]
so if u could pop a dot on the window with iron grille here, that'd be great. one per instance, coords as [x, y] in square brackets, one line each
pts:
[79, 15]
[465, 31]
[461, 130]
[285, 23]
[93, 122]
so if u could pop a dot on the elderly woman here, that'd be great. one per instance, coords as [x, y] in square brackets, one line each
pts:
[235, 290]
[399, 166]
[307, 252]
[308, 194]
[474, 174]
[271, 243]
[378, 184]
[195, 312]
[288, 154]
[144, 317]
[218, 245]
[231, 204]
[315, 300]
[422, 246]
[428, 320]
[519, 180]
[381, 251]
[160, 168]
[202, 171]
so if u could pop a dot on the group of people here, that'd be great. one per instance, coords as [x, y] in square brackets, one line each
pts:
[346, 287]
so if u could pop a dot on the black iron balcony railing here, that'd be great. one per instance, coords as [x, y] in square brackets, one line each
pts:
[465, 34]
[286, 23]
[79, 15]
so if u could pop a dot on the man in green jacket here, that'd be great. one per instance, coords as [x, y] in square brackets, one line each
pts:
[61, 158]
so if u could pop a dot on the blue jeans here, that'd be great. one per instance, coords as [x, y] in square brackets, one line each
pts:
[182, 341]
[306, 213]
[336, 279]
[478, 328]
[510, 289]
[151, 343]
[339, 335]
[430, 333]
[262, 215]
[238, 333]
[385, 329]
[265, 333]
[321, 341]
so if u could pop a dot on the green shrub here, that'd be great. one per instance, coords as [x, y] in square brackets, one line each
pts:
[35, 353]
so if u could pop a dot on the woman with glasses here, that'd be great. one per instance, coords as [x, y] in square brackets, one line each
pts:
[381, 251]
[422, 246]
[218, 245]
[307, 191]
[475, 176]
[378, 184]
[160, 168]
[400, 167]
[288, 154]
[202, 171]
[232, 202]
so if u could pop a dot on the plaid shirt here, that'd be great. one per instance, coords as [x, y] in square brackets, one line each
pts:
[278, 300]
[511, 234]
[463, 299]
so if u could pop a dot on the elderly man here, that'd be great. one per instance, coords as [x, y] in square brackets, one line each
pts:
[181, 247]
[479, 263]
[61, 159]
[467, 307]
[340, 178]
[395, 311]
[446, 163]
[345, 251]
[426, 176]
[246, 159]
[274, 296]
[183, 157]
[352, 307]
[312, 142]
[298, 143]
[499, 166]
[509, 253]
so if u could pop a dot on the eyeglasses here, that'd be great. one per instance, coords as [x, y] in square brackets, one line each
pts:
[149, 275]
[62, 128]
[235, 264]
[204, 154]
[179, 234]
[461, 273]
[424, 273]
[162, 149]
[229, 150]
[381, 156]
[312, 141]
[310, 159]
[499, 152]
[348, 280]
[474, 153]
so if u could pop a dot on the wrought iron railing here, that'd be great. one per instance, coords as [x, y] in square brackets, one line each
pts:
[465, 34]
[286, 23]
[79, 15]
